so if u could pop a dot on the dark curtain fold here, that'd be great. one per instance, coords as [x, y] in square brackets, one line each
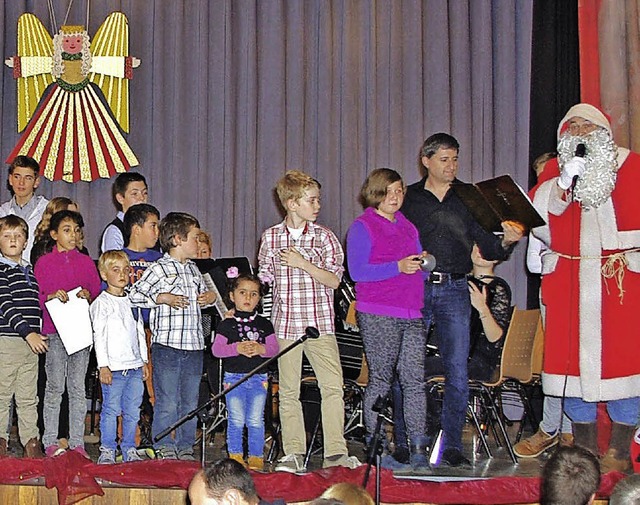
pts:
[555, 71]
[555, 84]
[230, 94]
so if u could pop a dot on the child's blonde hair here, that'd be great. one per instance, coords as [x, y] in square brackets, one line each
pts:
[110, 258]
[349, 494]
[293, 185]
[205, 238]
[55, 205]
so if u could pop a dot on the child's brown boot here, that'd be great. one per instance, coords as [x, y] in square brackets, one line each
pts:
[256, 463]
[237, 457]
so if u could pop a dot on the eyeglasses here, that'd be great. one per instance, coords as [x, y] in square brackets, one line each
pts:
[582, 128]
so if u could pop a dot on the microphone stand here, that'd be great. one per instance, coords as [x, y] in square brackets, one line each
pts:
[200, 410]
[375, 450]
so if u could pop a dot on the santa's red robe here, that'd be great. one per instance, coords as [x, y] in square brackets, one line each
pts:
[592, 333]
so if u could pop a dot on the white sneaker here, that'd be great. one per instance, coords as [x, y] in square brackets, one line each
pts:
[292, 463]
[341, 460]
[132, 455]
[107, 456]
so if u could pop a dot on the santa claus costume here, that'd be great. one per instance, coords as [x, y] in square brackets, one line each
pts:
[591, 285]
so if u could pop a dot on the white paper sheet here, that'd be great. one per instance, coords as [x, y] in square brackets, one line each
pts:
[72, 321]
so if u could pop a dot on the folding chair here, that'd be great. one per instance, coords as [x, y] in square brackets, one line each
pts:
[516, 368]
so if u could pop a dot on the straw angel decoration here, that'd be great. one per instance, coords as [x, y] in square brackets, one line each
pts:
[73, 98]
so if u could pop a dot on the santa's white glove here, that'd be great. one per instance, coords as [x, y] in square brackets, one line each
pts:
[572, 168]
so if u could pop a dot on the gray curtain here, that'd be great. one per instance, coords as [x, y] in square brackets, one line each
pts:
[231, 93]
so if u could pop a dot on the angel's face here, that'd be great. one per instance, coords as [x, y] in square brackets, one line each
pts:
[72, 44]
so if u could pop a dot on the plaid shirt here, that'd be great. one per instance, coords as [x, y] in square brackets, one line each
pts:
[177, 328]
[298, 299]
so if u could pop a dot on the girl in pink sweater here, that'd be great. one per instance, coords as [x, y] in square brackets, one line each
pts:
[63, 269]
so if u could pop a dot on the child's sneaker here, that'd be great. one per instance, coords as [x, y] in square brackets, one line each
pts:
[107, 456]
[292, 463]
[166, 453]
[341, 460]
[186, 455]
[54, 450]
[132, 455]
[80, 450]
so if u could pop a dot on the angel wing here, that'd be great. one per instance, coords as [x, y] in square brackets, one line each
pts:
[35, 49]
[109, 51]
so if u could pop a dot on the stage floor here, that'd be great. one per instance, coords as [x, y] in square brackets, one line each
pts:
[491, 480]
[500, 465]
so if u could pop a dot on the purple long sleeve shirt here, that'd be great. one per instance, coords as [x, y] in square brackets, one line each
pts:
[243, 327]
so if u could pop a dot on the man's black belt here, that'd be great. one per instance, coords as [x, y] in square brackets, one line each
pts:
[444, 277]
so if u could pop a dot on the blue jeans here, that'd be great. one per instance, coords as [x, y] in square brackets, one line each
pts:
[448, 308]
[245, 405]
[176, 381]
[123, 395]
[61, 367]
[624, 411]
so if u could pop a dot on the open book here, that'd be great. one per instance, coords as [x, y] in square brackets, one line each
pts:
[496, 200]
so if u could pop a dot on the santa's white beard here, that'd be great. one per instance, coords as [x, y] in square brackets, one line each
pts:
[597, 182]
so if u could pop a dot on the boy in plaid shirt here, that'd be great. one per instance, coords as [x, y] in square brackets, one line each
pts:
[303, 262]
[174, 290]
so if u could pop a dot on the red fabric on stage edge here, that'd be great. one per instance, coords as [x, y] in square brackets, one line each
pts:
[76, 478]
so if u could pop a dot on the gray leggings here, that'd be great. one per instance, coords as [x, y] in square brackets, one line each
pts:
[392, 343]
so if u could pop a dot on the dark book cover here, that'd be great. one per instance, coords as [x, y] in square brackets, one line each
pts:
[496, 200]
[215, 277]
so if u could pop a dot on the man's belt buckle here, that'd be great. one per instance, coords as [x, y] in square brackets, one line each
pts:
[436, 277]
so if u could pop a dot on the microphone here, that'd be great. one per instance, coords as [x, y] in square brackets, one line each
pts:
[427, 263]
[310, 332]
[581, 150]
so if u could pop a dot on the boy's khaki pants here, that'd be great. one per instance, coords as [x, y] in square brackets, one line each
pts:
[19, 377]
[323, 356]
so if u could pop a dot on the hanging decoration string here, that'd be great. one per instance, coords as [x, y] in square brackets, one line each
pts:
[66, 16]
[52, 16]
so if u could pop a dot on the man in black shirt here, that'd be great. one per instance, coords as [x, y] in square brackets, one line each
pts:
[448, 231]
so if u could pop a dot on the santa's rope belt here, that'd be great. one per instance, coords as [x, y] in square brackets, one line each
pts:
[613, 268]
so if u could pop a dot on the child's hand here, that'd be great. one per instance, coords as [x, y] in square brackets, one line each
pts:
[84, 293]
[206, 298]
[410, 264]
[105, 375]
[174, 301]
[254, 349]
[292, 258]
[145, 372]
[229, 313]
[61, 295]
[245, 349]
[37, 342]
